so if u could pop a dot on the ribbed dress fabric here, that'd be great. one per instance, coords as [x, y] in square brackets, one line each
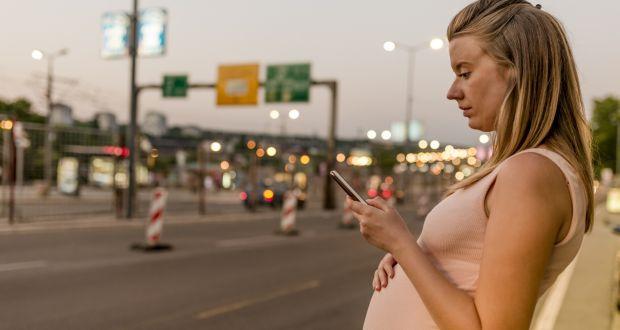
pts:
[453, 239]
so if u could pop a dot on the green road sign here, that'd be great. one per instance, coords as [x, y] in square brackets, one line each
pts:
[288, 83]
[175, 86]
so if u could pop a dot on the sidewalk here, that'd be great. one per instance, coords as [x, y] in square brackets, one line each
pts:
[589, 300]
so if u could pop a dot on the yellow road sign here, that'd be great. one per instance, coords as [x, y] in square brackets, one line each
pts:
[237, 84]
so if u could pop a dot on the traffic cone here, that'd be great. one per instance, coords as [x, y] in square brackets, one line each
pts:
[288, 215]
[155, 224]
[347, 221]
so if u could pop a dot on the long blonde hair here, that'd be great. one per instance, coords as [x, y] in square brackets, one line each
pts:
[543, 105]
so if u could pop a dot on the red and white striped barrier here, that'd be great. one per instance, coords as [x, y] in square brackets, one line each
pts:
[154, 224]
[289, 214]
[156, 216]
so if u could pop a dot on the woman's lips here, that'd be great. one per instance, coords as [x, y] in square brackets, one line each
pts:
[466, 112]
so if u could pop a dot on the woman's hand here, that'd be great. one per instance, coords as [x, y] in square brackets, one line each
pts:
[383, 272]
[381, 225]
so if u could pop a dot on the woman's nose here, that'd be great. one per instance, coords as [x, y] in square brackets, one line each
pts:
[454, 92]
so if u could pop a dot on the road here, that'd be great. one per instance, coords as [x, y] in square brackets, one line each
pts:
[225, 275]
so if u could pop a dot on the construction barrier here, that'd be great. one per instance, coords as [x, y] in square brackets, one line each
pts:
[288, 215]
[347, 222]
[155, 223]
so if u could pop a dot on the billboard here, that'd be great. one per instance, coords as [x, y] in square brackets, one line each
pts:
[152, 32]
[237, 84]
[115, 29]
[288, 83]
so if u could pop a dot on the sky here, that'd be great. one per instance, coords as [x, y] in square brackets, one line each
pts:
[341, 39]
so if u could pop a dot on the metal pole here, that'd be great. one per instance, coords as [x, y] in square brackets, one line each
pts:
[408, 115]
[409, 107]
[328, 197]
[202, 209]
[133, 108]
[617, 144]
[47, 154]
[12, 177]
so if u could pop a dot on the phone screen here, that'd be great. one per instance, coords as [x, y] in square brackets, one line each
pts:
[347, 187]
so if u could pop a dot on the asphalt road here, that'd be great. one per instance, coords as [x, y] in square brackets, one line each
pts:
[233, 275]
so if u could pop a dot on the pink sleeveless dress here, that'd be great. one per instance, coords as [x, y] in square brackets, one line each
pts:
[453, 237]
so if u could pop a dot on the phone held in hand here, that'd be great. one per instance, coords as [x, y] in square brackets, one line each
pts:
[347, 187]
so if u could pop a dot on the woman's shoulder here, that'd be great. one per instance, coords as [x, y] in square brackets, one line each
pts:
[534, 179]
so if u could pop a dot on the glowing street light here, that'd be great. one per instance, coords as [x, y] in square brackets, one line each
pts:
[483, 138]
[293, 114]
[371, 134]
[436, 44]
[274, 114]
[434, 144]
[37, 54]
[422, 144]
[386, 135]
[216, 146]
[389, 46]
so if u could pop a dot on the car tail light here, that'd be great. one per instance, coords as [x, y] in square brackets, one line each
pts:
[268, 195]
[372, 192]
[386, 194]
[243, 195]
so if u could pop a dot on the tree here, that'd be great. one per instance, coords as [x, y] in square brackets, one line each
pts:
[21, 110]
[605, 118]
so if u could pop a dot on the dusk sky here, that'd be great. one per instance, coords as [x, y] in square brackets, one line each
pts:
[342, 39]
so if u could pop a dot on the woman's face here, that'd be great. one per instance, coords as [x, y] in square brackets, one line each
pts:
[480, 84]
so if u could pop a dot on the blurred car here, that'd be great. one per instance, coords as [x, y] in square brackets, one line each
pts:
[270, 195]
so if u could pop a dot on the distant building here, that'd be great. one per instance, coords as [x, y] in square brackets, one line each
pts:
[193, 131]
[61, 115]
[154, 124]
[106, 121]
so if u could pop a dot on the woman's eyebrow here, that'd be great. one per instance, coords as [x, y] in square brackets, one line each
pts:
[460, 64]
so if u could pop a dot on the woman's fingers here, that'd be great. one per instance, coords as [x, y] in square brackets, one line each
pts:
[382, 277]
[379, 203]
[375, 281]
[389, 269]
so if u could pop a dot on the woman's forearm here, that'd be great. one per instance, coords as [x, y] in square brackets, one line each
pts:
[450, 307]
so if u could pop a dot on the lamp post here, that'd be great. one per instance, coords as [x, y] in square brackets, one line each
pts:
[293, 114]
[390, 46]
[50, 57]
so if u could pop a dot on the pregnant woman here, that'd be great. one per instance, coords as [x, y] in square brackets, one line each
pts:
[497, 242]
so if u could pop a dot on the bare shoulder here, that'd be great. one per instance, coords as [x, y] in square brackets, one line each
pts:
[535, 182]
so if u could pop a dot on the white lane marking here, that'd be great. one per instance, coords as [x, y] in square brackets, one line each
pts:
[248, 241]
[551, 308]
[257, 240]
[22, 265]
[255, 300]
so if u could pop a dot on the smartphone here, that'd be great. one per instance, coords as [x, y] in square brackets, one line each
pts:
[346, 187]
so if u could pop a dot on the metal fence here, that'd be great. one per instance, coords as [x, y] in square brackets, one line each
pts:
[77, 155]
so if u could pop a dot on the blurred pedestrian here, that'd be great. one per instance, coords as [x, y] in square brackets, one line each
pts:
[499, 238]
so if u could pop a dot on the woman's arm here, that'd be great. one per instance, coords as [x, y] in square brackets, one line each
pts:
[527, 212]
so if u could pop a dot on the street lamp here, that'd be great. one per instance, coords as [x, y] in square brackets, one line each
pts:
[292, 114]
[483, 138]
[371, 134]
[50, 57]
[386, 135]
[390, 46]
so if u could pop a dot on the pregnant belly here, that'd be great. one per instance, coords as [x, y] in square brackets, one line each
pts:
[398, 306]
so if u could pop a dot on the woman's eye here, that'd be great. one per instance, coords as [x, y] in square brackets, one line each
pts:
[465, 75]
